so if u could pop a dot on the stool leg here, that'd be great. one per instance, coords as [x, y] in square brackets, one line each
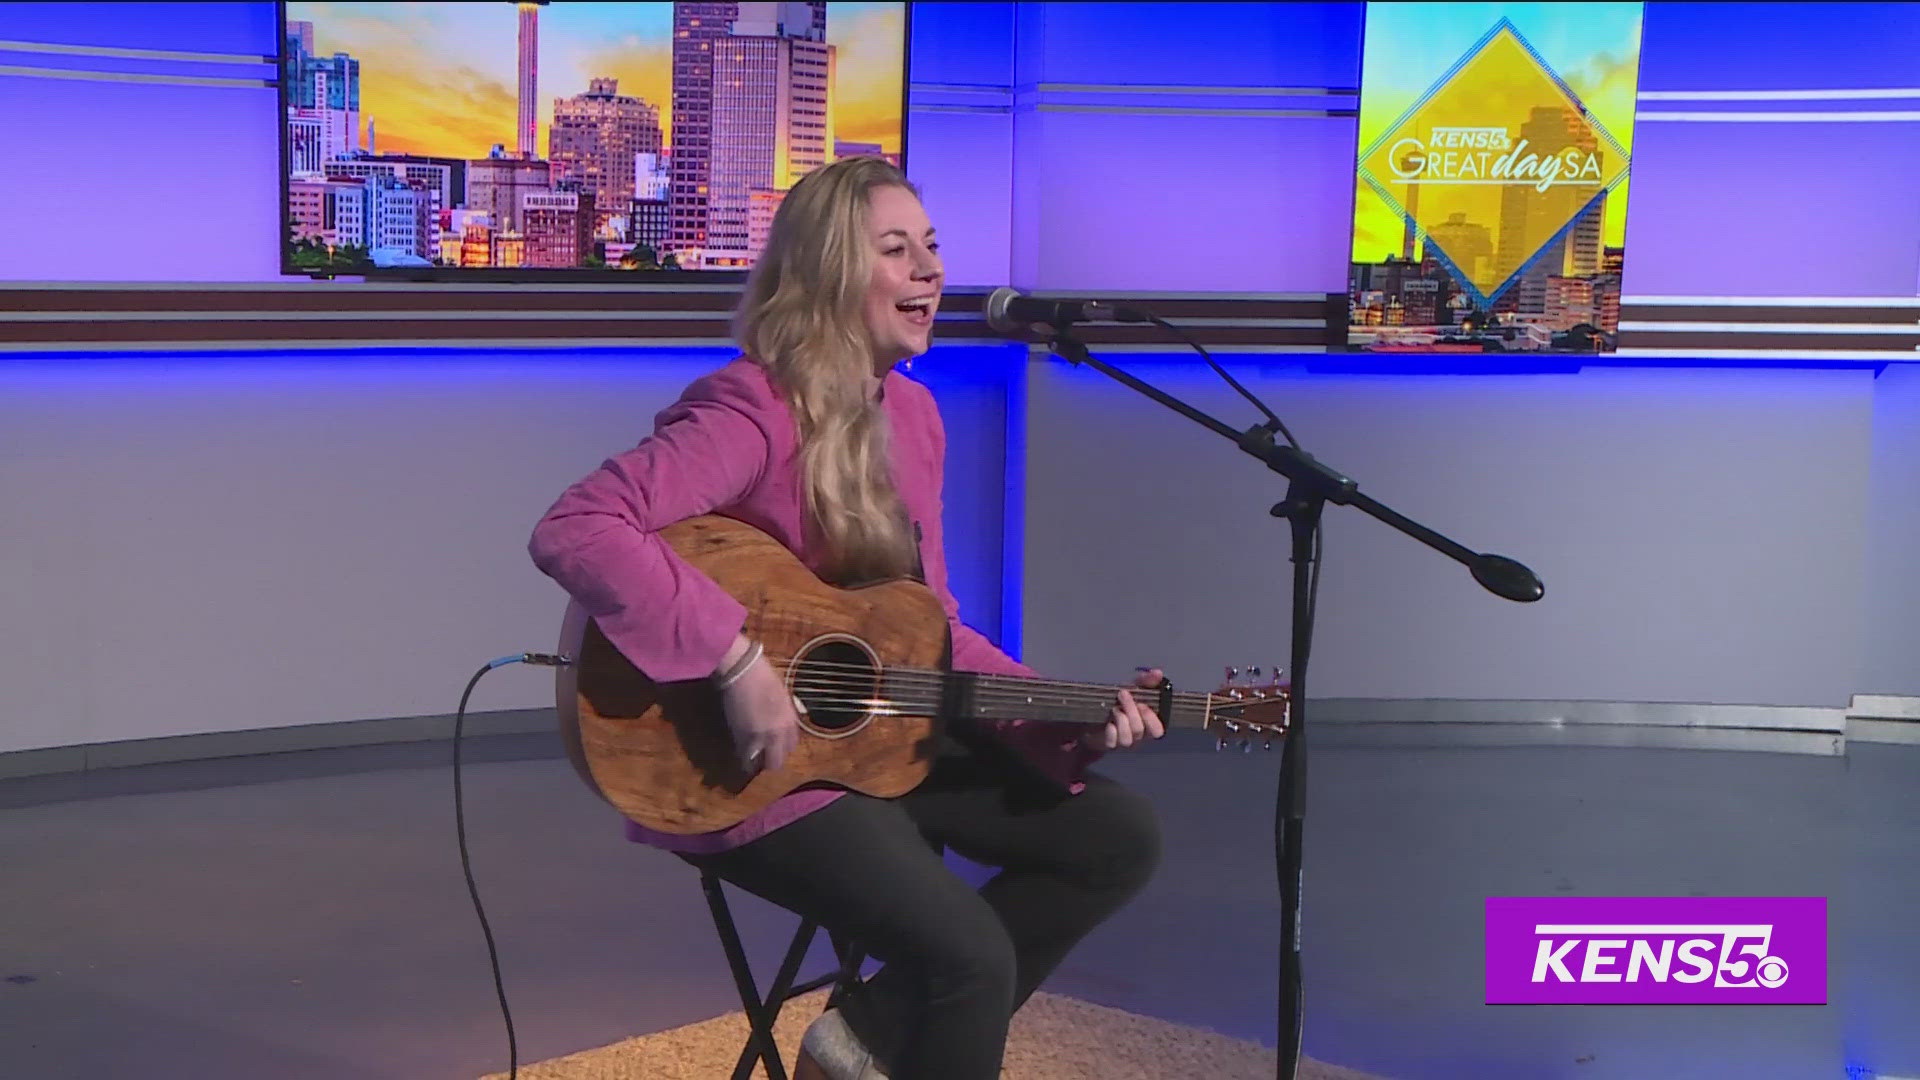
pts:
[758, 1020]
[777, 995]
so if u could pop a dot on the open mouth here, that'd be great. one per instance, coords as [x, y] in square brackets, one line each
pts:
[919, 311]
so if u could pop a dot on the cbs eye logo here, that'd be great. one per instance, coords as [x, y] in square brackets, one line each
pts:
[1771, 972]
[1768, 971]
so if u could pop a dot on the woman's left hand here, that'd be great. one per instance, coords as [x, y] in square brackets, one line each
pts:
[1130, 722]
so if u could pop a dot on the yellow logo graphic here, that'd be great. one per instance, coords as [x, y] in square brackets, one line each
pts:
[1494, 163]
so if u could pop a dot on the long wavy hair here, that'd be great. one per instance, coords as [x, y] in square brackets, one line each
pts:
[801, 316]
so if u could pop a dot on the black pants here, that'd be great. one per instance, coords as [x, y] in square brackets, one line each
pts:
[957, 963]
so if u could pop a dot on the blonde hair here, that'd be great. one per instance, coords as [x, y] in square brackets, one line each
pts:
[802, 317]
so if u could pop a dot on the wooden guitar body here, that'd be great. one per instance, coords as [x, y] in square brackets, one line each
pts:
[661, 753]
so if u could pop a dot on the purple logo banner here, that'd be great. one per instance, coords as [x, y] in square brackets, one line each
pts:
[1653, 950]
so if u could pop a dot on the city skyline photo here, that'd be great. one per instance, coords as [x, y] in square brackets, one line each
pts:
[643, 136]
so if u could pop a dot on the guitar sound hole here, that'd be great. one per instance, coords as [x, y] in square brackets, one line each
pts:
[836, 680]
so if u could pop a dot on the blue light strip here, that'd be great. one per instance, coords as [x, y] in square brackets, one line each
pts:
[1013, 515]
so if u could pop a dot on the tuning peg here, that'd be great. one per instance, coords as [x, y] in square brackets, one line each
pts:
[1232, 673]
[1220, 743]
[1246, 746]
[1254, 671]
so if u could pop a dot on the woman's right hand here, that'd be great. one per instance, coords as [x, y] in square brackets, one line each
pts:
[761, 718]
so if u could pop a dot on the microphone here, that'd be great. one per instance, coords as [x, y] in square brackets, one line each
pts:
[1008, 311]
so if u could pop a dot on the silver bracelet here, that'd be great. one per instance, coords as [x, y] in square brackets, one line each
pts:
[740, 666]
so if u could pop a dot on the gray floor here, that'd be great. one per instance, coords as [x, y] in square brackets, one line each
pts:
[304, 916]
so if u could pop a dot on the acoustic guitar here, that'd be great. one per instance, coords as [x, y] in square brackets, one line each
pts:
[869, 667]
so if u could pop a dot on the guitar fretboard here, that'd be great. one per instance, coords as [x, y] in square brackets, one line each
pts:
[990, 697]
[966, 695]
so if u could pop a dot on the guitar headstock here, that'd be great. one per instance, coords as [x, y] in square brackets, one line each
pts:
[1248, 710]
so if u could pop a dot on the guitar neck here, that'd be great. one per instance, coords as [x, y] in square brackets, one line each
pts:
[995, 697]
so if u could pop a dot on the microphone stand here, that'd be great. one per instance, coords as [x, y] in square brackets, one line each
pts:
[1310, 486]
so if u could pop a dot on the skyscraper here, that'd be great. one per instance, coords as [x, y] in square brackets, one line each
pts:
[1583, 243]
[323, 91]
[341, 90]
[770, 118]
[594, 139]
[698, 27]
[527, 126]
[1469, 246]
[1527, 214]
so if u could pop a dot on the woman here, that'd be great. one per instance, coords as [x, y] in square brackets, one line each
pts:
[814, 438]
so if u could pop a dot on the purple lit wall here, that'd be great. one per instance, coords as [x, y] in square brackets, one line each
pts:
[139, 181]
[960, 134]
[1811, 194]
[1783, 222]
[1174, 147]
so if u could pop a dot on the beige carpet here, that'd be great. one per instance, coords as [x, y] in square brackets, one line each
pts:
[1053, 1038]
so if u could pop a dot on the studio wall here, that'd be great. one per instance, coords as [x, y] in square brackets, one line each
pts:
[208, 543]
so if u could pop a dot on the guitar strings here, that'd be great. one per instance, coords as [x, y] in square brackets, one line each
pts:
[836, 691]
[857, 695]
[833, 683]
[895, 679]
[1008, 696]
[1022, 681]
[1037, 694]
[1092, 696]
[912, 708]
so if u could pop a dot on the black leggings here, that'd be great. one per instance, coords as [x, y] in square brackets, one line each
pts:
[957, 963]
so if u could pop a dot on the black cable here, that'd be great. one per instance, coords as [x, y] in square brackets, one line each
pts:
[1313, 592]
[1273, 422]
[466, 861]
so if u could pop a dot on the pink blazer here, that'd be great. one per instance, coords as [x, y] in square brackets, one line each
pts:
[730, 446]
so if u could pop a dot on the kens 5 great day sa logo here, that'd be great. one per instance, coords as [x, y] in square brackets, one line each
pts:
[1656, 950]
[1499, 141]
[1490, 209]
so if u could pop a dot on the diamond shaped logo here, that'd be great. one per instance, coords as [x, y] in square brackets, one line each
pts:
[1494, 164]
